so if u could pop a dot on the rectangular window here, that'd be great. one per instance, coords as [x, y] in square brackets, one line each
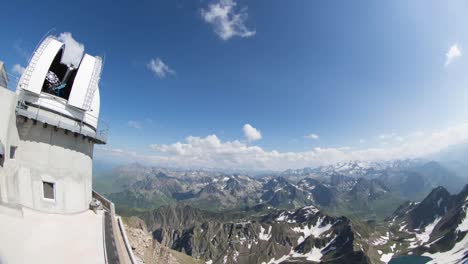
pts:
[12, 152]
[49, 190]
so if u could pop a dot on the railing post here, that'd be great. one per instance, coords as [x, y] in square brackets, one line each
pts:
[38, 109]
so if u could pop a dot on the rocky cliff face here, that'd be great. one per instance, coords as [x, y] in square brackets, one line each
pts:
[304, 235]
[149, 251]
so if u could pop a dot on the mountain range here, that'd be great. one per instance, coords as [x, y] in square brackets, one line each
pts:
[355, 189]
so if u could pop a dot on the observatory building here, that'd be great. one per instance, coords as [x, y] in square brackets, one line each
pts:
[48, 129]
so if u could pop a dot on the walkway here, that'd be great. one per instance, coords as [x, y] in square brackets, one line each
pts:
[111, 248]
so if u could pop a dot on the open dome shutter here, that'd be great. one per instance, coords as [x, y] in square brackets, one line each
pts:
[33, 77]
[86, 82]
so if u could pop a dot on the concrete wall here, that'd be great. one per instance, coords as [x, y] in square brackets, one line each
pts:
[7, 109]
[43, 154]
[7, 104]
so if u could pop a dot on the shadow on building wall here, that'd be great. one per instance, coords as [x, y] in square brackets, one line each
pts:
[34, 131]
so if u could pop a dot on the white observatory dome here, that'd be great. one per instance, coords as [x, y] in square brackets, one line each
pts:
[64, 89]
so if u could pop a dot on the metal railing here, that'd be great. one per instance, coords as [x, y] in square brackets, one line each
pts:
[102, 130]
[105, 203]
[128, 247]
[117, 226]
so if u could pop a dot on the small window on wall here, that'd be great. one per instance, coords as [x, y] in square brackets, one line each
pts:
[49, 190]
[13, 152]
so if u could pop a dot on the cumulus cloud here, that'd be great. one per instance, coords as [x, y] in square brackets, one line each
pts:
[73, 49]
[17, 69]
[453, 53]
[158, 67]
[312, 136]
[227, 22]
[211, 152]
[207, 151]
[251, 133]
[134, 124]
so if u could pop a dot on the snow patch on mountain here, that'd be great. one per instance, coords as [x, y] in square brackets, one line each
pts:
[314, 230]
[424, 236]
[386, 257]
[463, 226]
[264, 236]
[316, 253]
[380, 241]
[454, 255]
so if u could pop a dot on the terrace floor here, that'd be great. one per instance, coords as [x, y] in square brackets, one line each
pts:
[34, 237]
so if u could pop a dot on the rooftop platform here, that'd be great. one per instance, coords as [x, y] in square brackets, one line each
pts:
[51, 238]
[93, 236]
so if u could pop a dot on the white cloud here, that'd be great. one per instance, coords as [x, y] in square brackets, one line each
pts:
[453, 53]
[226, 21]
[18, 69]
[73, 49]
[312, 136]
[251, 133]
[211, 152]
[134, 124]
[158, 67]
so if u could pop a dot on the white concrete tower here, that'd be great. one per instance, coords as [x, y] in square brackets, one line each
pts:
[48, 129]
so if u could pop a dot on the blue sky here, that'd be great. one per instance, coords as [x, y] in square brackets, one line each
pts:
[360, 76]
